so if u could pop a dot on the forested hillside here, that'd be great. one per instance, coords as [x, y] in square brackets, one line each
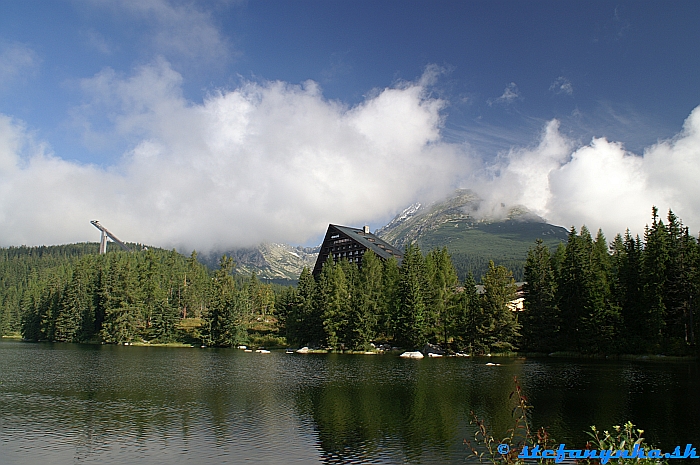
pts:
[70, 293]
[410, 305]
[20, 266]
[636, 295]
[472, 237]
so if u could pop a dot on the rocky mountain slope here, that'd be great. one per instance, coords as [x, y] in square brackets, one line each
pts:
[273, 262]
[472, 236]
[458, 223]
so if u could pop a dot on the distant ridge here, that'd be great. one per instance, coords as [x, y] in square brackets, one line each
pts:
[281, 263]
[471, 236]
[457, 222]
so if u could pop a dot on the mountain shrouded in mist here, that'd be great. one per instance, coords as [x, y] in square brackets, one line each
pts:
[274, 162]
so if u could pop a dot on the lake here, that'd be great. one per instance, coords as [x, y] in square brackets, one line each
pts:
[84, 404]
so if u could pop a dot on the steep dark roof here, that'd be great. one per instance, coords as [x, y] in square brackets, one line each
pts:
[363, 237]
[372, 242]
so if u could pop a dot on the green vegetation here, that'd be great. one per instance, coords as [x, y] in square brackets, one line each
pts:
[632, 297]
[635, 296]
[473, 246]
[419, 302]
[472, 238]
[522, 439]
[71, 294]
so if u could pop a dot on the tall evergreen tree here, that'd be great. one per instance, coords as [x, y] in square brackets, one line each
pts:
[626, 290]
[192, 297]
[389, 315]
[75, 321]
[602, 314]
[122, 312]
[680, 287]
[223, 318]
[541, 319]
[286, 308]
[654, 267]
[333, 297]
[468, 315]
[368, 302]
[499, 325]
[308, 321]
[410, 329]
[32, 310]
[573, 288]
[442, 279]
[589, 314]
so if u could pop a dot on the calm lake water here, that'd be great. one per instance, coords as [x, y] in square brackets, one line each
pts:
[72, 404]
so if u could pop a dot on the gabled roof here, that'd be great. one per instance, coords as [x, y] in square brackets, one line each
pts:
[369, 240]
[361, 237]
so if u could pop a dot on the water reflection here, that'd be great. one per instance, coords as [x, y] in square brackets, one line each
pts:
[67, 404]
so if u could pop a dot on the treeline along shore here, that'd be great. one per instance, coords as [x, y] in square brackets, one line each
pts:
[636, 295]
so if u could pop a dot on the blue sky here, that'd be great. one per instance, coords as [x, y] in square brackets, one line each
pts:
[222, 123]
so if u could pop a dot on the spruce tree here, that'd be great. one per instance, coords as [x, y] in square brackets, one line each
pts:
[222, 322]
[680, 287]
[333, 298]
[654, 267]
[541, 319]
[368, 302]
[32, 310]
[499, 325]
[121, 302]
[192, 297]
[442, 279]
[626, 289]
[389, 313]
[286, 308]
[573, 289]
[467, 318]
[603, 314]
[307, 322]
[75, 321]
[410, 329]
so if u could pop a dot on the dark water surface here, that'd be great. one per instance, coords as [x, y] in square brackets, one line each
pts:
[70, 404]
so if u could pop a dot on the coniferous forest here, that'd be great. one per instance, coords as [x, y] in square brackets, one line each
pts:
[635, 295]
[72, 294]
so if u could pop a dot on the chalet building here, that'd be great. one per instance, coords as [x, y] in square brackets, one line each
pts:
[342, 242]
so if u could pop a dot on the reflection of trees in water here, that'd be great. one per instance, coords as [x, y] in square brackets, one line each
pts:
[96, 400]
[103, 398]
[421, 415]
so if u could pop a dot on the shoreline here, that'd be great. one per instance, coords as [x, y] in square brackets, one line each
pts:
[541, 355]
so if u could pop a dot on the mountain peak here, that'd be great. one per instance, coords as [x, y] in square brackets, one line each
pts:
[463, 206]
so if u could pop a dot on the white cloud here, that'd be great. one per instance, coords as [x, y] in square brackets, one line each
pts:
[562, 86]
[273, 161]
[522, 174]
[601, 184]
[177, 30]
[16, 60]
[266, 161]
[98, 42]
[510, 95]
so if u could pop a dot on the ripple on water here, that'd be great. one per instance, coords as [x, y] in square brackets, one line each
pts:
[69, 404]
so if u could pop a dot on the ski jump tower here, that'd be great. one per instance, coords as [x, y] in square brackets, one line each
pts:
[105, 234]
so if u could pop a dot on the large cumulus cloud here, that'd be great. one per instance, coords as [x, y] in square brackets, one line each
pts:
[267, 161]
[601, 184]
[273, 161]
